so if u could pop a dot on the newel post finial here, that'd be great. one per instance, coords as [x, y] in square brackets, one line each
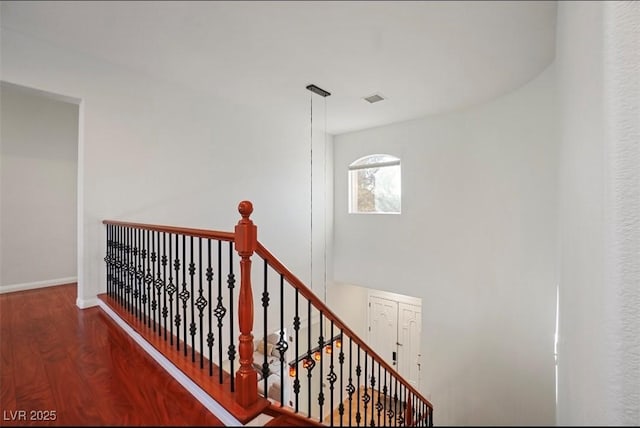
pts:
[246, 241]
[245, 208]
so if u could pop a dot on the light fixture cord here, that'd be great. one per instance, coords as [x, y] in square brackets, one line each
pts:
[324, 174]
[311, 195]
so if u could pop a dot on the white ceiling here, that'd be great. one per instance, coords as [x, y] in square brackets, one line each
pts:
[424, 57]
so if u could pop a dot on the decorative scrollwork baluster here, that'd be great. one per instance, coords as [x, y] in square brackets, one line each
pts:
[231, 283]
[192, 325]
[176, 266]
[201, 302]
[164, 261]
[296, 329]
[210, 337]
[320, 377]
[282, 344]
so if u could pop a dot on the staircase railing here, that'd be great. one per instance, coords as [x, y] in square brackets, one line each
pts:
[179, 284]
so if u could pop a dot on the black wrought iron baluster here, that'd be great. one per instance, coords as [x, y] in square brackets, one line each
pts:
[411, 409]
[184, 295]
[379, 403]
[146, 274]
[133, 251]
[178, 318]
[401, 399]
[164, 261]
[265, 306]
[321, 377]
[282, 344]
[387, 396]
[192, 325]
[331, 377]
[112, 261]
[358, 373]
[424, 417]
[114, 256]
[158, 283]
[220, 310]
[373, 386]
[149, 277]
[404, 392]
[296, 329]
[133, 273]
[430, 416]
[395, 399]
[201, 303]
[210, 336]
[350, 388]
[107, 261]
[365, 396]
[123, 266]
[139, 273]
[152, 283]
[171, 289]
[120, 266]
[341, 362]
[231, 282]
[310, 362]
[414, 408]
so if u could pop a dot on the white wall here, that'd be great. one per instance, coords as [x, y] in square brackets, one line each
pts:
[599, 336]
[38, 189]
[152, 151]
[476, 241]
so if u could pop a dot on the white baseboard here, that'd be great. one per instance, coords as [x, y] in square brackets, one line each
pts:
[37, 284]
[87, 303]
[198, 393]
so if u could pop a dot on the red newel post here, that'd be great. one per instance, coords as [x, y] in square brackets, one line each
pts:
[246, 239]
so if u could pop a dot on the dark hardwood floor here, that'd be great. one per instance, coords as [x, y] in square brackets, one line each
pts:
[77, 366]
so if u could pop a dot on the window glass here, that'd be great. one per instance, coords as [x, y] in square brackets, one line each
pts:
[375, 185]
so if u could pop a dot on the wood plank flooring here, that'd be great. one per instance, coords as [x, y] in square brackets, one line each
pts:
[78, 365]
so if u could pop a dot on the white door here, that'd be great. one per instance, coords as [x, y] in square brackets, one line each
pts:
[394, 333]
[383, 327]
[409, 327]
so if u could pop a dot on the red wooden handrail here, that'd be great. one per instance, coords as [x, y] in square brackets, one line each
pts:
[197, 233]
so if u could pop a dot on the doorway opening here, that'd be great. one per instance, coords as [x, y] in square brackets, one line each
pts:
[42, 193]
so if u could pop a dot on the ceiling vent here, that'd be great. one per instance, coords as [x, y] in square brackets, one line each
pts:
[374, 98]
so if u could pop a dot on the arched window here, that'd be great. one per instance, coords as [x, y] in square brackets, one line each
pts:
[375, 185]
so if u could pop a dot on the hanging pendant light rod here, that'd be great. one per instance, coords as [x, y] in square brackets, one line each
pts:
[317, 90]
